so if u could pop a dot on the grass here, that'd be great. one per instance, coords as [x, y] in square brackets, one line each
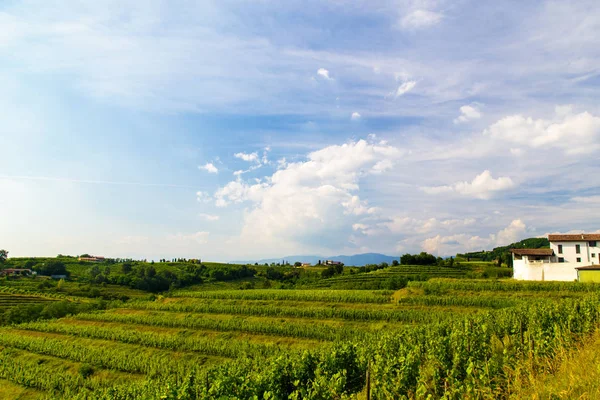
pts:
[575, 376]
[11, 391]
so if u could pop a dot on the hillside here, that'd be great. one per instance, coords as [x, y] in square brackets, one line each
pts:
[503, 252]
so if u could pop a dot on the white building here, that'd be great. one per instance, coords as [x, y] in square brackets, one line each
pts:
[559, 262]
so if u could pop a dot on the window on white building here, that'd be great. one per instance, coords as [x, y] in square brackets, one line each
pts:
[593, 255]
[593, 243]
[578, 248]
[578, 259]
[560, 249]
[561, 259]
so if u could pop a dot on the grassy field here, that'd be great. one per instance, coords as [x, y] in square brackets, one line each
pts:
[159, 343]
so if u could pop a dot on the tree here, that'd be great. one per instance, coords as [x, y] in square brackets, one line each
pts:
[297, 264]
[395, 263]
[3, 256]
[151, 272]
[95, 271]
[126, 268]
[53, 267]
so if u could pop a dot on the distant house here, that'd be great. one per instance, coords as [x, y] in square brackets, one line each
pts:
[16, 272]
[567, 255]
[331, 262]
[306, 265]
[92, 258]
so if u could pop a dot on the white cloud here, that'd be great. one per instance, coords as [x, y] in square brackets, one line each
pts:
[383, 165]
[311, 201]
[322, 72]
[452, 244]
[419, 19]
[511, 233]
[468, 113]
[209, 167]
[203, 197]
[573, 133]
[282, 163]
[355, 116]
[405, 87]
[483, 186]
[237, 192]
[249, 157]
[209, 217]
[265, 156]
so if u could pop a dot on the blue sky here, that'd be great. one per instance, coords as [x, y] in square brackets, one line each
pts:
[234, 129]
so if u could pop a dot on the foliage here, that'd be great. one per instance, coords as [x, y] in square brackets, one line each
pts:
[44, 310]
[3, 256]
[52, 267]
[422, 258]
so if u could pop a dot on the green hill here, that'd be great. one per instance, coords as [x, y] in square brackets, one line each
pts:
[503, 252]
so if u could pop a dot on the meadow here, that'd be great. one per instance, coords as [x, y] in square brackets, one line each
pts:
[439, 336]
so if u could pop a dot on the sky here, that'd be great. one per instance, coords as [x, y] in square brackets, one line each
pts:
[228, 130]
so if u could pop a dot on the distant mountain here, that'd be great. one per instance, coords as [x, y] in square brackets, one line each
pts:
[357, 260]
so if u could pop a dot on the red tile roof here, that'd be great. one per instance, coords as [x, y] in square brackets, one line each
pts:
[578, 237]
[533, 252]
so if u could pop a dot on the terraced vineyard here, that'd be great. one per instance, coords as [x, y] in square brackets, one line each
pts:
[8, 300]
[383, 278]
[234, 343]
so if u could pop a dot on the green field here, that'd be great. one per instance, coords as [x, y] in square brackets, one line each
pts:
[430, 338]
[231, 331]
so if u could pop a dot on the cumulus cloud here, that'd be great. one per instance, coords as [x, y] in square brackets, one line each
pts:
[405, 87]
[511, 233]
[209, 217]
[483, 186]
[323, 73]
[249, 157]
[468, 113]
[451, 244]
[210, 168]
[203, 197]
[355, 116]
[572, 133]
[311, 200]
[237, 192]
[419, 19]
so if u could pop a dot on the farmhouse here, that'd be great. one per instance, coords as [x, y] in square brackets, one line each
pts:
[91, 258]
[331, 262]
[569, 258]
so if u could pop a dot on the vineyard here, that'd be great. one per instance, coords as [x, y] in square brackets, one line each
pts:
[450, 338]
